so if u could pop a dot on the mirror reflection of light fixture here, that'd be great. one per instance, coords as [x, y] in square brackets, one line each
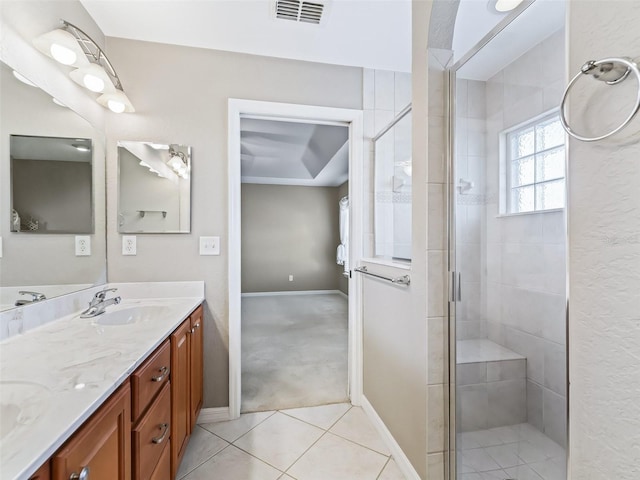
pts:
[504, 6]
[23, 79]
[71, 46]
[178, 162]
[81, 148]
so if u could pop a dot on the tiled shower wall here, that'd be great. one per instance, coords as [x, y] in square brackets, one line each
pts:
[385, 94]
[470, 138]
[524, 257]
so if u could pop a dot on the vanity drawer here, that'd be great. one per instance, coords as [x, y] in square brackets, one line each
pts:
[163, 468]
[149, 378]
[151, 435]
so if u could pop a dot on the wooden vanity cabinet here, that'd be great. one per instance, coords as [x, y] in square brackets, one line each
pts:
[186, 383]
[180, 399]
[102, 445]
[141, 431]
[196, 365]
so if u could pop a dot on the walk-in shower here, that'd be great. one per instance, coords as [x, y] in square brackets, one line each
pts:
[508, 294]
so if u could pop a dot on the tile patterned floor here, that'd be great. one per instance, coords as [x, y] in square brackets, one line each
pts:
[519, 452]
[335, 442]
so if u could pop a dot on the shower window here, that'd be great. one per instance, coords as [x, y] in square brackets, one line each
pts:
[535, 165]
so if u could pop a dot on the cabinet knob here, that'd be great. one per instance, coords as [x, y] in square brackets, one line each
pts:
[83, 475]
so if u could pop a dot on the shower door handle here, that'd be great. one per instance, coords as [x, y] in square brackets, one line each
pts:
[452, 287]
[459, 287]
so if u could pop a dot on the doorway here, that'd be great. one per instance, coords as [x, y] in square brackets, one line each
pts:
[256, 112]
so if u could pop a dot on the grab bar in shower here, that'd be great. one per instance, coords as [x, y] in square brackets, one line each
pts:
[403, 280]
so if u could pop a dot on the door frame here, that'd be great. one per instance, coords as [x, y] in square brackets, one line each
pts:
[238, 108]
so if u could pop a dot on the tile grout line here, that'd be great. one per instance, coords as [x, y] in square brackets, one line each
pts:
[383, 467]
[205, 461]
[313, 425]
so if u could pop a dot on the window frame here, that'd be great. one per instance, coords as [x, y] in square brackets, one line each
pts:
[506, 165]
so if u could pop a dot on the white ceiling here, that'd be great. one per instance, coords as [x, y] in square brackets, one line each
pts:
[362, 33]
[288, 153]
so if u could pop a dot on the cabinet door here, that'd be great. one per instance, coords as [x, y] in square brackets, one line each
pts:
[196, 364]
[163, 469]
[180, 411]
[102, 445]
[43, 473]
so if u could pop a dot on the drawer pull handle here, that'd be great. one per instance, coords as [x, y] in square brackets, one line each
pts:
[196, 326]
[164, 371]
[160, 439]
[83, 475]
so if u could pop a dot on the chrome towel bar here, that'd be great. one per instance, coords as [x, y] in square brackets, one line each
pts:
[403, 280]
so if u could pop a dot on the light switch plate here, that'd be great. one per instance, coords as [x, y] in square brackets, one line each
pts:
[209, 245]
[83, 245]
[129, 246]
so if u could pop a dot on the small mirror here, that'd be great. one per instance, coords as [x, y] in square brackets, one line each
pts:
[51, 188]
[154, 182]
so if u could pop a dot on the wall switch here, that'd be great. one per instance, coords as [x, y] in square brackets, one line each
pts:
[209, 245]
[291, 278]
[128, 245]
[83, 245]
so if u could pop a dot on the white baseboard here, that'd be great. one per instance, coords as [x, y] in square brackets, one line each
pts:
[341, 293]
[396, 452]
[212, 415]
[299, 292]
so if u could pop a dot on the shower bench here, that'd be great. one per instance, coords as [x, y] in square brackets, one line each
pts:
[492, 385]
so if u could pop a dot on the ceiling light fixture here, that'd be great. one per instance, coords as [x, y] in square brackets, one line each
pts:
[62, 46]
[71, 46]
[504, 6]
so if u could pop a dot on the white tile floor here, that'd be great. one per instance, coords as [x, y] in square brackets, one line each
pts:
[519, 452]
[329, 442]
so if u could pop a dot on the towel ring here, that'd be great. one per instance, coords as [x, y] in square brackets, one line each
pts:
[611, 71]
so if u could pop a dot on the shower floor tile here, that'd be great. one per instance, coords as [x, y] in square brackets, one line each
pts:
[518, 452]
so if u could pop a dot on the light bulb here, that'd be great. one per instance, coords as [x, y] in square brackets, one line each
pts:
[64, 55]
[115, 106]
[93, 83]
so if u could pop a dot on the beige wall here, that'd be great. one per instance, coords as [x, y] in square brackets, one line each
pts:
[289, 230]
[181, 96]
[604, 251]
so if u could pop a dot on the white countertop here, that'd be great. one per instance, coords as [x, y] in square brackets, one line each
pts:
[55, 376]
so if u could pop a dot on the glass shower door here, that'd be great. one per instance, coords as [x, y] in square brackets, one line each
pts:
[509, 245]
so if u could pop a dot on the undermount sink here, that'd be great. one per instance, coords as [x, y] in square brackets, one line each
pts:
[21, 403]
[130, 314]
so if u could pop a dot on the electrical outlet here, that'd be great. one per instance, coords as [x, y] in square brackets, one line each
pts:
[83, 245]
[128, 245]
[291, 278]
[209, 245]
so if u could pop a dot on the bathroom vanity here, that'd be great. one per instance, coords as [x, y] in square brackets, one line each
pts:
[114, 397]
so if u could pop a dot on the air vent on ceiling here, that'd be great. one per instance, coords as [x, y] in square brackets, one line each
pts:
[299, 11]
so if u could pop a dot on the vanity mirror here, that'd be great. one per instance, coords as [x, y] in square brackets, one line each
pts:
[52, 195]
[154, 188]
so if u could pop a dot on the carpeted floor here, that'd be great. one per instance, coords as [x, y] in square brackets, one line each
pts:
[294, 351]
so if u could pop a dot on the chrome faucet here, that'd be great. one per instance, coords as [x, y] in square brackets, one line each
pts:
[35, 297]
[99, 303]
